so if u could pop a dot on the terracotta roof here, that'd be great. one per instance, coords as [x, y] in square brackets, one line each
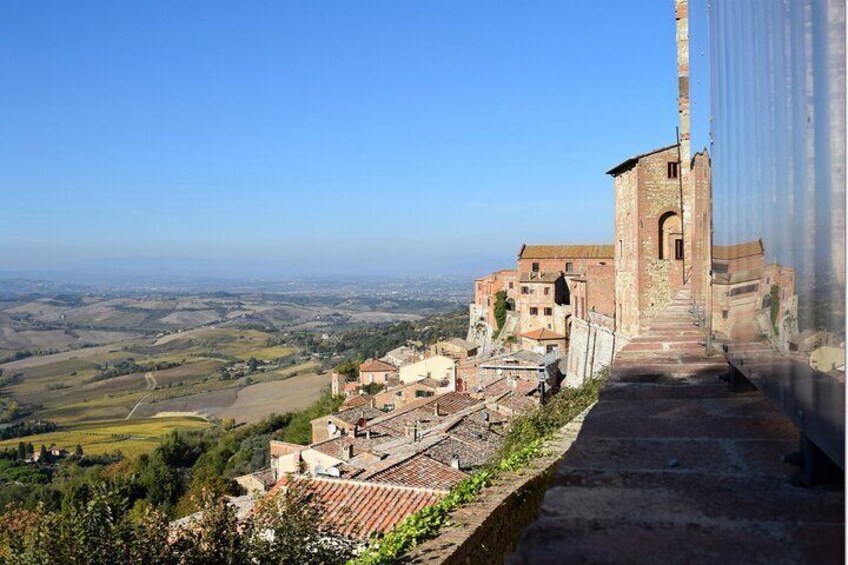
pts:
[281, 448]
[356, 400]
[419, 471]
[376, 366]
[737, 251]
[587, 251]
[358, 509]
[542, 334]
[626, 164]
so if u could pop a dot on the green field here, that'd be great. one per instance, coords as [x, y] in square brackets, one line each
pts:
[131, 437]
[267, 353]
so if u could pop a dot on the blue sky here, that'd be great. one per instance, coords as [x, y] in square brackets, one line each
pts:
[319, 137]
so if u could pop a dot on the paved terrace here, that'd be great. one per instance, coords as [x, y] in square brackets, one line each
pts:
[672, 467]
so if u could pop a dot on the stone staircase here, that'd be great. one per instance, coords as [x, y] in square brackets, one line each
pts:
[670, 351]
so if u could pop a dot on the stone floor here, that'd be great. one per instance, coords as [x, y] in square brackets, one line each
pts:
[672, 467]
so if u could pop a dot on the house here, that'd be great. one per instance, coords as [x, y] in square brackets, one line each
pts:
[374, 371]
[455, 348]
[400, 356]
[543, 302]
[398, 396]
[341, 423]
[257, 484]
[437, 367]
[543, 341]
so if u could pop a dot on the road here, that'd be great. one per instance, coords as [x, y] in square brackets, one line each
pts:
[151, 386]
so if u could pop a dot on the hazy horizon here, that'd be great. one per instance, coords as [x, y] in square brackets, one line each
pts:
[286, 140]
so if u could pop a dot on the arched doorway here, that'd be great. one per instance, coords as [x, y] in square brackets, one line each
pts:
[670, 236]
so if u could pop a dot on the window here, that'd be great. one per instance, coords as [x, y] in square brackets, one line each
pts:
[549, 311]
[525, 290]
[673, 169]
[510, 286]
[534, 311]
[747, 289]
[423, 393]
[569, 267]
[535, 267]
[547, 290]
[724, 314]
[678, 249]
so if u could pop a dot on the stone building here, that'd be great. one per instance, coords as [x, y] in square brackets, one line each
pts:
[544, 302]
[649, 237]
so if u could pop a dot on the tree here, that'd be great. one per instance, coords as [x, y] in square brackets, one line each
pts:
[78, 450]
[500, 308]
[30, 450]
[21, 450]
[42, 454]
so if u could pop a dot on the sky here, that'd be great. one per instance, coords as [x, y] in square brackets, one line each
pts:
[294, 138]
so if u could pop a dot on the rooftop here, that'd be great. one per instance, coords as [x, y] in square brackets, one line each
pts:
[582, 251]
[628, 163]
[738, 251]
[358, 509]
[376, 366]
[542, 334]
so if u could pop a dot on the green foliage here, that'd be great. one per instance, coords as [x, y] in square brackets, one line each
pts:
[104, 528]
[27, 429]
[524, 440]
[500, 308]
[299, 429]
[373, 388]
[775, 306]
[349, 368]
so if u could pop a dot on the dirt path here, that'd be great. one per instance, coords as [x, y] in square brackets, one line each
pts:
[151, 386]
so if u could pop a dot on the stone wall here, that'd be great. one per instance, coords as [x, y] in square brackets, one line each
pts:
[591, 348]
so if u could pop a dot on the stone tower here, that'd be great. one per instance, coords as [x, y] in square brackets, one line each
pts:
[650, 248]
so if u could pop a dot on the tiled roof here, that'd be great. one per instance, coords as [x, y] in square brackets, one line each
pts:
[737, 251]
[522, 357]
[353, 415]
[470, 455]
[358, 509]
[462, 343]
[542, 334]
[356, 401]
[419, 471]
[626, 164]
[588, 251]
[453, 402]
[376, 366]
[281, 448]
[335, 446]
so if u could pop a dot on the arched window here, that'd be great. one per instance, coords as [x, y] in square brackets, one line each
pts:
[669, 232]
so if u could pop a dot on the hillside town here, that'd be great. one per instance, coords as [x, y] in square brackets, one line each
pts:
[417, 421]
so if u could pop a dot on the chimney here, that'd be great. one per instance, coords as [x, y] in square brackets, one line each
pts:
[373, 402]
[415, 436]
[355, 430]
[347, 452]
[368, 433]
[436, 409]
[455, 461]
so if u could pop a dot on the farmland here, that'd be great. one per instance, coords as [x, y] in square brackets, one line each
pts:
[130, 437]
